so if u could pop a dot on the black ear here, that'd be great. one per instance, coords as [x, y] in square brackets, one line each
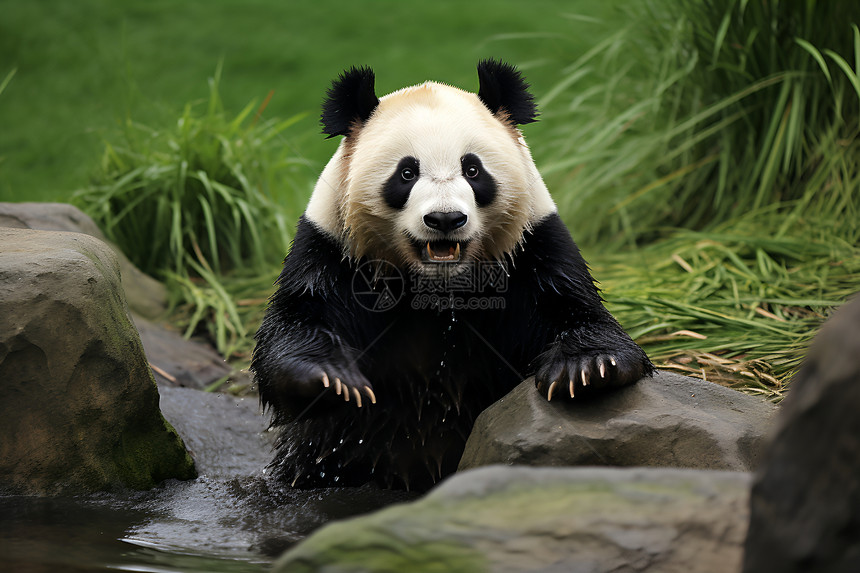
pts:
[503, 87]
[351, 98]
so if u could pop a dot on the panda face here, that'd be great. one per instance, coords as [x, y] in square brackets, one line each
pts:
[430, 177]
[435, 178]
[443, 209]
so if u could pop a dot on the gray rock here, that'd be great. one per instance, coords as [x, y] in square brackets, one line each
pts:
[805, 503]
[145, 295]
[227, 436]
[177, 361]
[505, 519]
[669, 420]
[80, 407]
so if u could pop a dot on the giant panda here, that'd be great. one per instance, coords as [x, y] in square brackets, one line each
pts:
[433, 205]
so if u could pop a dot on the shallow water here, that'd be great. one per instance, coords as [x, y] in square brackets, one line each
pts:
[241, 524]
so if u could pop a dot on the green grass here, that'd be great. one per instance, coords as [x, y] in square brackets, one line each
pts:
[703, 112]
[199, 194]
[736, 122]
[737, 304]
[85, 67]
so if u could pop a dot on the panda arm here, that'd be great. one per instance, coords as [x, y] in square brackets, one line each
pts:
[301, 349]
[586, 348]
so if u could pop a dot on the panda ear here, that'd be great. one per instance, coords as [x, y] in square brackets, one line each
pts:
[503, 87]
[351, 98]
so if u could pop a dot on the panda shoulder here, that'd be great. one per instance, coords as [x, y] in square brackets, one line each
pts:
[314, 262]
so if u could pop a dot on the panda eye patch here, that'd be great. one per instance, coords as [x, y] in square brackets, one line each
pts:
[396, 190]
[482, 183]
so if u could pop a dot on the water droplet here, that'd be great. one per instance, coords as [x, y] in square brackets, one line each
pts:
[322, 474]
[442, 364]
[341, 440]
[361, 441]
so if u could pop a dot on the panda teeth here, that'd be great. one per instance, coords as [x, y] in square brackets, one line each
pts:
[453, 254]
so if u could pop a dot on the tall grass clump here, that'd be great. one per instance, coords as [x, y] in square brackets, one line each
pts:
[200, 193]
[704, 111]
[200, 205]
[709, 156]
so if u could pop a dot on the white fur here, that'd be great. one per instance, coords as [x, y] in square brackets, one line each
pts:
[438, 125]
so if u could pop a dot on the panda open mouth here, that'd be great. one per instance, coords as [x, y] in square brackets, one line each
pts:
[441, 251]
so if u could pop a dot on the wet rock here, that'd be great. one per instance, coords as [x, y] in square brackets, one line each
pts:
[805, 503]
[503, 519]
[145, 295]
[80, 407]
[227, 436]
[668, 420]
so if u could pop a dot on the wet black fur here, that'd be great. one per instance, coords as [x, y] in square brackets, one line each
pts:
[433, 371]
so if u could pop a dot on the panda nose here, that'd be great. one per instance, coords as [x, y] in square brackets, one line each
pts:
[445, 222]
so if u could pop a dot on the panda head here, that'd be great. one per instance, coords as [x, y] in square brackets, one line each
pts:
[430, 177]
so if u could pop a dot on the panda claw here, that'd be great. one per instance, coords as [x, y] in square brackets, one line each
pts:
[345, 393]
[612, 361]
[551, 390]
[337, 386]
[584, 375]
[357, 397]
[572, 384]
[325, 380]
[370, 394]
[602, 367]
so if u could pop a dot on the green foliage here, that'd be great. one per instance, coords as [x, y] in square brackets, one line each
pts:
[737, 304]
[197, 194]
[704, 111]
[737, 122]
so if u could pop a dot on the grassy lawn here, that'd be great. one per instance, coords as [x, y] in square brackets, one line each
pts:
[83, 67]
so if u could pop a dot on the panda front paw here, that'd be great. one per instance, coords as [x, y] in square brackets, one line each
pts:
[570, 372]
[354, 385]
[304, 378]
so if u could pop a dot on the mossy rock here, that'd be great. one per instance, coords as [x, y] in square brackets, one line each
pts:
[507, 519]
[80, 406]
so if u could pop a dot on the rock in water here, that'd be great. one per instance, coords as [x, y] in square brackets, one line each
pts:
[668, 420]
[805, 503]
[79, 408]
[505, 519]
